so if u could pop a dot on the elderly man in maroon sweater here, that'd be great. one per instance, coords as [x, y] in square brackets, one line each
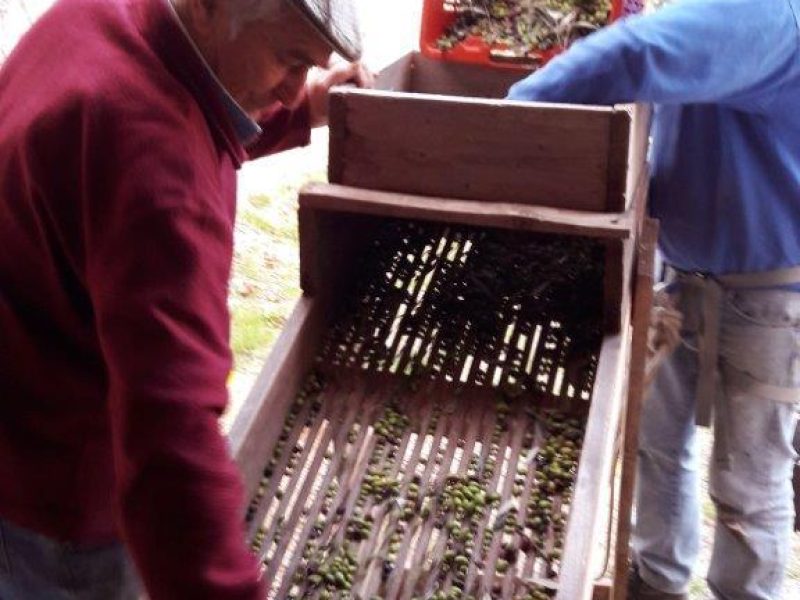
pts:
[122, 124]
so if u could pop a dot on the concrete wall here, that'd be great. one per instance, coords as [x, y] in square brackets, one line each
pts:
[15, 18]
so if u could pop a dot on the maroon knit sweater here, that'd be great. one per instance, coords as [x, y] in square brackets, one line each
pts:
[117, 201]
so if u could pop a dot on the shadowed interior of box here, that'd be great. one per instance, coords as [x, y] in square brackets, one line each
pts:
[477, 306]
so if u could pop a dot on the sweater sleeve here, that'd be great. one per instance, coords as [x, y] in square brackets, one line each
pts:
[283, 128]
[734, 52]
[158, 246]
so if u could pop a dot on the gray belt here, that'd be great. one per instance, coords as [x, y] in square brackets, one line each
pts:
[711, 289]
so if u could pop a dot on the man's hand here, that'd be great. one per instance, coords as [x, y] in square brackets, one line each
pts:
[322, 80]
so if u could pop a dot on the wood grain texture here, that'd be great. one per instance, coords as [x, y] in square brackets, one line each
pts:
[337, 148]
[642, 304]
[330, 197]
[637, 151]
[597, 461]
[615, 279]
[602, 590]
[473, 149]
[397, 76]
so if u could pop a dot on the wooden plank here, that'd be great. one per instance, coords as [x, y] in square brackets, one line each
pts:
[397, 76]
[602, 590]
[796, 480]
[638, 206]
[337, 132]
[332, 197]
[431, 76]
[614, 283]
[619, 260]
[308, 229]
[637, 151]
[597, 459]
[473, 149]
[618, 145]
[642, 304]
[260, 420]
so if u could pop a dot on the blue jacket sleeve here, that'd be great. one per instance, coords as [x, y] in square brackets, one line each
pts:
[734, 52]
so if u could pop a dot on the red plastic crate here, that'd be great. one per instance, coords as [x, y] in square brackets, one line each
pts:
[473, 49]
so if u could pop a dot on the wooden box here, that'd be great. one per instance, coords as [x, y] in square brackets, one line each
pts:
[335, 225]
[433, 147]
[440, 129]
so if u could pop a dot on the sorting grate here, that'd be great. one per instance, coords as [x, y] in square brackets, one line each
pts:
[379, 488]
[476, 306]
[428, 459]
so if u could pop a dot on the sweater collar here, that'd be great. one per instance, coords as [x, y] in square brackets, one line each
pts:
[166, 36]
[247, 130]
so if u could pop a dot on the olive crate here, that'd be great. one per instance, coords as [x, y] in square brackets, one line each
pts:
[442, 414]
[439, 15]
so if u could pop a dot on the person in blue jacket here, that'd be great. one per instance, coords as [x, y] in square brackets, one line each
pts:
[724, 76]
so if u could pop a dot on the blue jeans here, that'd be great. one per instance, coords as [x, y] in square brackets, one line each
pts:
[34, 567]
[752, 460]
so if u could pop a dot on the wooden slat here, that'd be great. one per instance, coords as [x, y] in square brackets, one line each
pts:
[260, 420]
[327, 457]
[615, 279]
[341, 421]
[602, 590]
[473, 149]
[397, 76]
[597, 458]
[618, 146]
[642, 304]
[337, 133]
[620, 257]
[330, 197]
[638, 149]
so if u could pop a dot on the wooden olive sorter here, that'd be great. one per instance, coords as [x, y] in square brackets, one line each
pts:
[442, 415]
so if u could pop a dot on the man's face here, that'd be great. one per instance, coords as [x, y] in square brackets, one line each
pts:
[265, 62]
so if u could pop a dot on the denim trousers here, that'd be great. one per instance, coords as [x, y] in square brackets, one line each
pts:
[752, 457]
[35, 567]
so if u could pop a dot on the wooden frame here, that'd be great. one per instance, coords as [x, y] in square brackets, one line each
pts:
[416, 134]
[258, 424]
[321, 253]
[642, 303]
[404, 152]
[330, 218]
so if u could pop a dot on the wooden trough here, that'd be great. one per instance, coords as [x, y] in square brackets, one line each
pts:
[459, 435]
